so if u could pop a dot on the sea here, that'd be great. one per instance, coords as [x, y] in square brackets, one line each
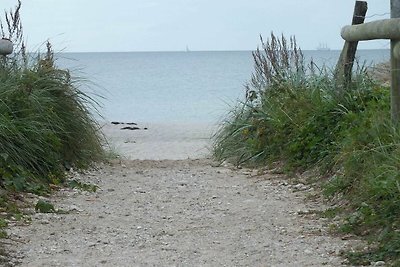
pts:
[176, 87]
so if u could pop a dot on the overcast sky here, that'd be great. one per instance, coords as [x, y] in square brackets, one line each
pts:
[171, 25]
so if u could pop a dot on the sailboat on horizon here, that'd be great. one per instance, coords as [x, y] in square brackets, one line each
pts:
[323, 47]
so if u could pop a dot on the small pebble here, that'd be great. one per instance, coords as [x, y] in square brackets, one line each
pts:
[307, 251]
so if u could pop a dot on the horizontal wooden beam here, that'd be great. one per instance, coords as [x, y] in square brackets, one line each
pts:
[379, 29]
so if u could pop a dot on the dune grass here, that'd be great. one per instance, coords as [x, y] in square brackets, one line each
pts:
[297, 113]
[46, 121]
[46, 124]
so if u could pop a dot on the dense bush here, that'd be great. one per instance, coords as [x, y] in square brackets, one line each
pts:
[300, 115]
[46, 122]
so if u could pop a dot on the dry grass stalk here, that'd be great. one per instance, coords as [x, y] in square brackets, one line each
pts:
[274, 62]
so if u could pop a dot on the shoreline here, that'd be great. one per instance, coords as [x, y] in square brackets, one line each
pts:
[159, 141]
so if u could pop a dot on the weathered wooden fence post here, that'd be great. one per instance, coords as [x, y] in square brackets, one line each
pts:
[395, 66]
[346, 60]
[383, 29]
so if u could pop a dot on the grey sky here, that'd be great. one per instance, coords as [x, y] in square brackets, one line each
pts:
[164, 25]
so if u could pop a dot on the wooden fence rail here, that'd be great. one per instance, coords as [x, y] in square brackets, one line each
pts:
[379, 29]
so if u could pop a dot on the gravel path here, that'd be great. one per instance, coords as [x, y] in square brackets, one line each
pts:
[179, 213]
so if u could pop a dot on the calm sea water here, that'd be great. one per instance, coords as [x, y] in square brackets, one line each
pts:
[175, 87]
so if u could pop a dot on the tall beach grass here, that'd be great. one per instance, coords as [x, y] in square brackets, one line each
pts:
[46, 121]
[299, 114]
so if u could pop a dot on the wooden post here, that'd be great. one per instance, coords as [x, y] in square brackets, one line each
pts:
[345, 64]
[395, 67]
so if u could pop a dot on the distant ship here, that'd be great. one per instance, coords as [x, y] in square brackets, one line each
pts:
[187, 49]
[323, 47]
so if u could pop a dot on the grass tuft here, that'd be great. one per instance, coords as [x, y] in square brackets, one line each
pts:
[294, 113]
[46, 123]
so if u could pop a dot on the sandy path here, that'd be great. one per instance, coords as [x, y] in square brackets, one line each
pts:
[179, 213]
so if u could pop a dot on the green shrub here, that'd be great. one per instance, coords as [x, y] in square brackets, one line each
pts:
[46, 121]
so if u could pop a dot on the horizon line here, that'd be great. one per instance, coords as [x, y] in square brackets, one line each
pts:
[195, 51]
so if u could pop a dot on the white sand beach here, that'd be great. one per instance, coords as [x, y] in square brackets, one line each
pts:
[159, 141]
